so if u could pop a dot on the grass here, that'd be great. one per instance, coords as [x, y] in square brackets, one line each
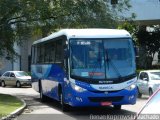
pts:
[8, 104]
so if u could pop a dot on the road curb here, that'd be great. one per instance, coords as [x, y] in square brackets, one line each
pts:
[15, 113]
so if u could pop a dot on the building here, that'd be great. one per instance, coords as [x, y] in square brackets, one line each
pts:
[21, 62]
[147, 11]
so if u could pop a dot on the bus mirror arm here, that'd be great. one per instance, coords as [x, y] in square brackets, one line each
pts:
[66, 53]
[136, 49]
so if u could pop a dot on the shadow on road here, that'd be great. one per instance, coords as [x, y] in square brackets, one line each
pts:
[36, 110]
[84, 113]
[84, 110]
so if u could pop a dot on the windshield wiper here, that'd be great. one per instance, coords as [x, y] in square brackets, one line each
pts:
[108, 60]
[97, 64]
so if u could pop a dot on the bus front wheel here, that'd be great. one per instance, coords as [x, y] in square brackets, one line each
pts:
[117, 107]
[64, 106]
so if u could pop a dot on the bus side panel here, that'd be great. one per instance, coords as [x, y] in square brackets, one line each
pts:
[34, 77]
[50, 76]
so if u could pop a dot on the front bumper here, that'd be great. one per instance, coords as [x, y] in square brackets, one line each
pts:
[88, 98]
[26, 83]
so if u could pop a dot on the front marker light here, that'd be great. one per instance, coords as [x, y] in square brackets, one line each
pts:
[131, 87]
[77, 88]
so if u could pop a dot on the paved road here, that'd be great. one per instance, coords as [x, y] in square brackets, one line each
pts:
[52, 109]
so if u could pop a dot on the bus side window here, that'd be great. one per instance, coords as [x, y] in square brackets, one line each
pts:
[33, 55]
[42, 56]
[59, 49]
[52, 52]
[38, 54]
[46, 58]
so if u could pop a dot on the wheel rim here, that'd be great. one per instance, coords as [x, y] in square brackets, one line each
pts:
[18, 84]
[3, 84]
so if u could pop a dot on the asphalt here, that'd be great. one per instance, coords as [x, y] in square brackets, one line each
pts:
[36, 110]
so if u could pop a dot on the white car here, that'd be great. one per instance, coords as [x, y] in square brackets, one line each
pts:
[150, 111]
[16, 78]
[148, 82]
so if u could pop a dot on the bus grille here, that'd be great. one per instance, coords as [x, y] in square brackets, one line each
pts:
[103, 99]
[106, 91]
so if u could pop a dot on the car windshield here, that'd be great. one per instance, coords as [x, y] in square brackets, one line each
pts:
[21, 74]
[102, 58]
[152, 107]
[155, 75]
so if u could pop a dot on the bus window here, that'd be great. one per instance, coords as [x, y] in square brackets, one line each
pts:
[46, 58]
[33, 55]
[38, 54]
[58, 51]
[52, 52]
[42, 56]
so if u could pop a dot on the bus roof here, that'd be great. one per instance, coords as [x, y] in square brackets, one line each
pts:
[87, 33]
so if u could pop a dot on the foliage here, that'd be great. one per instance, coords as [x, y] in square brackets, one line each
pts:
[22, 18]
[149, 42]
[131, 27]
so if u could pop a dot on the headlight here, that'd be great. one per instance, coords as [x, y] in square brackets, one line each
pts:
[131, 87]
[77, 88]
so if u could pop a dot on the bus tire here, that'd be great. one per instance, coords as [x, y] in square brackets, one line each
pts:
[117, 107]
[42, 96]
[64, 106]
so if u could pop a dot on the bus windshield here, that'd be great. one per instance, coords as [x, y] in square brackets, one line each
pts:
[102, 58]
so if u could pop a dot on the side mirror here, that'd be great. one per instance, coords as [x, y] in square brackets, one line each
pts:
[66, 53]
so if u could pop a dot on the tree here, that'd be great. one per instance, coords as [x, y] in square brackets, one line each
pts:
[149, 41]
[19, 18]
[131, 27]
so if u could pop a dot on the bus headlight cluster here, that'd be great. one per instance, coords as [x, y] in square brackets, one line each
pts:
[131, 87]
[77, 88]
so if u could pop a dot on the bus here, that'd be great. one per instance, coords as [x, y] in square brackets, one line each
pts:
[85, 67]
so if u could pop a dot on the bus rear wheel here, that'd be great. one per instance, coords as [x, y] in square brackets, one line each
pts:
[42, 96]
